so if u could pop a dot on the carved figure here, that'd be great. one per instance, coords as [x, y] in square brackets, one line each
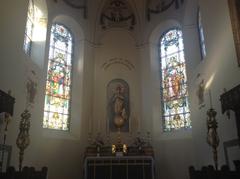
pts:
[31, 91]
[200, 94]
[118, 105]
[119, 108]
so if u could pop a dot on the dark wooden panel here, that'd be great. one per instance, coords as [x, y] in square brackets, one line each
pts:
[6, 102]
[230, 100]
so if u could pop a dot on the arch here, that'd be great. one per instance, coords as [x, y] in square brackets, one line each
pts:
[59, 79]
[160, 29]
[74, 26]
[35, 31]
[154, 46]
[118, 105]
[78, 36]
[77, 73]
[174, 92]
[155, 69]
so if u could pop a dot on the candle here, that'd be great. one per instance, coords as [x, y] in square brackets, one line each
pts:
[210, 97]
[89, 125]
[139, 123]
[98, 126]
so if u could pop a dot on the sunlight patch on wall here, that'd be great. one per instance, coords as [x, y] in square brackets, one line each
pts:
[40, 26]
[210, 80]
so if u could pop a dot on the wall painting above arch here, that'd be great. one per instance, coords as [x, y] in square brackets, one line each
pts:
[118, 14]
[159, 6]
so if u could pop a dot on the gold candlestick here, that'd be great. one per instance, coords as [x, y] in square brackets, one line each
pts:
[23, 139]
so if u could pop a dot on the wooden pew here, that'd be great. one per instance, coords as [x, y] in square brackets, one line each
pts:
[26, 173]
[208, 172]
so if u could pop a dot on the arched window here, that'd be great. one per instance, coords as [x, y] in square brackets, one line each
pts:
[174, 94]
[59, 76]
[35, 30]
[29, 28]
[201, 36]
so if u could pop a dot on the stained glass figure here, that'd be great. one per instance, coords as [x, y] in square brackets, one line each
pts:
[175, 105]
[58, 83]
[29, 28]
[201, 36]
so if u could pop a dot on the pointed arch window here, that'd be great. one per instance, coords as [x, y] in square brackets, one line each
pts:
[174, 94]
[58, 83]
[201, 36]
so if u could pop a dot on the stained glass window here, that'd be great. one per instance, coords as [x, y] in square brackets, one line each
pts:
[29, 28]
[58, 83]
[175, 105]
[201, 36]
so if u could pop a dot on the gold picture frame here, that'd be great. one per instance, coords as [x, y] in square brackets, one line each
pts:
[234, 10]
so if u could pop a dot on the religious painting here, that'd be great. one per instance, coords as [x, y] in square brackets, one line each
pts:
[118, 105]
[234, 9]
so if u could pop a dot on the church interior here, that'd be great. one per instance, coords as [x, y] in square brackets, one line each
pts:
[108, 89]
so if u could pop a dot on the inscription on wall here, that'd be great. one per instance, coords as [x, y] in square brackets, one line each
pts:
[117, 61]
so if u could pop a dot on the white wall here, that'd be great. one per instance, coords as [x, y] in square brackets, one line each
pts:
[119, 46]
[63, 152]
[174, 150]
[219, 70]
[53, 149]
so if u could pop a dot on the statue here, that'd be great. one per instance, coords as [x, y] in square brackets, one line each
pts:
[200, 94]
[118, 105]
[119, 108]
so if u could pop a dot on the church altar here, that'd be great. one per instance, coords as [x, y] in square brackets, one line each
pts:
[123, 167]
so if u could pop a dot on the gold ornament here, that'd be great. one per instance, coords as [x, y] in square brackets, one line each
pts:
[23, 139]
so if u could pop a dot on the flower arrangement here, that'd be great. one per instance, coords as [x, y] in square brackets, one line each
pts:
[98, 142]
[139, 143]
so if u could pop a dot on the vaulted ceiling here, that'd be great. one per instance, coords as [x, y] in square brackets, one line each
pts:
[151, 6]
